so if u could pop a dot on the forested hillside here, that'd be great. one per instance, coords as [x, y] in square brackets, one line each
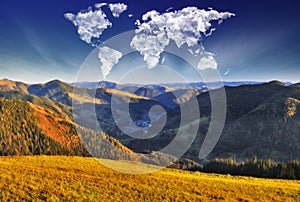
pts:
[261, 120]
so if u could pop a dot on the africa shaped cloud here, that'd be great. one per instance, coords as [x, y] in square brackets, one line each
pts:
[186, 26]
[117, 8]
[207, 62]
[90, 24]
[150, 46]
[108, 57]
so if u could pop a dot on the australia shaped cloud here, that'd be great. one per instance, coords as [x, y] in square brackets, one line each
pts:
[186, 26]
[108, 58]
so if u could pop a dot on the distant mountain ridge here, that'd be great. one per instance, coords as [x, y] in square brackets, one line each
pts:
[262, 119]
[200, 85]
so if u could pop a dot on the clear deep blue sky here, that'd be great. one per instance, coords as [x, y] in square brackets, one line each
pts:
[261, 43]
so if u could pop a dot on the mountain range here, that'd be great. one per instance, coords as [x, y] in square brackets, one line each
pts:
[262, 120]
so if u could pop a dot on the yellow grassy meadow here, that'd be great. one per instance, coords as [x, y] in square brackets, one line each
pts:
[62, 178]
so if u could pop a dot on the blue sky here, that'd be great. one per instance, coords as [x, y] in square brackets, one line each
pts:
[260, 43]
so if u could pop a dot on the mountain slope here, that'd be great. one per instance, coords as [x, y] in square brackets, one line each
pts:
[30, 129]
[8, 85]
[27, 128]
[20, 133]
[261, 120]
[267, 127]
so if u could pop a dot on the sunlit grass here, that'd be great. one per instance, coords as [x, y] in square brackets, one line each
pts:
[53, 178]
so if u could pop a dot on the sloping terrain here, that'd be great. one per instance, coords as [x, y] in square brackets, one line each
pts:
[8, 85]
[262, 120]
[60, 178]
[20, 133]
[31, 129]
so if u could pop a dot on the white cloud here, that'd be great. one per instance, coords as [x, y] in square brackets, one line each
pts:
[197, 51]
[90, 24]
[99, 5]
[117, 8]
[210, 32]
[207, 62]
[108, 57]
[163, 60]
[150, 46]
[70, 16]
[130, 15]
[168, 9]
[186, 26]
[227, 71]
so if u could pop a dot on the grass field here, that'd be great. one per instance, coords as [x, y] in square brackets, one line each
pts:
[54, 178]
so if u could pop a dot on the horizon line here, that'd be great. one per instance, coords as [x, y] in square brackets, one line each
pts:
[161, 83]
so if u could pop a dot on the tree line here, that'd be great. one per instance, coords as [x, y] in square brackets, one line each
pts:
[255, 168]
[250, 167]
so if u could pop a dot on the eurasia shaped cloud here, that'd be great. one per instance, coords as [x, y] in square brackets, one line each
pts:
[117, 8]
[108, 57]
[186, 26]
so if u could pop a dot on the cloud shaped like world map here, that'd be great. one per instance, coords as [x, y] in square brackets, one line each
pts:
[153, 34]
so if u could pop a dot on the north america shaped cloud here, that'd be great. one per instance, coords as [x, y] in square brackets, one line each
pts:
[90, 24]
